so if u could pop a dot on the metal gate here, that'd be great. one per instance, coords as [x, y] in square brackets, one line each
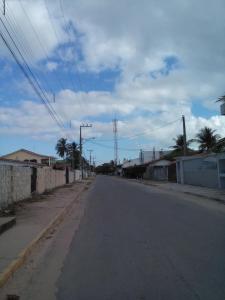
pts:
[67, 175]
[33, 179]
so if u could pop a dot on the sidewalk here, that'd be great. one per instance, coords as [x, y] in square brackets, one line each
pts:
[213, 194]
[34, 220]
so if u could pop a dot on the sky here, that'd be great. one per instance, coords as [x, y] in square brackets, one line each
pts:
[145, 63]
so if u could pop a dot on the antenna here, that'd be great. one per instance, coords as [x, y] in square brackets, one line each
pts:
[115, 132]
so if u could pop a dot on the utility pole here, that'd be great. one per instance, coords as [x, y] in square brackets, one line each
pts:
[153, 154]
[115, 131]
[141, 157]
[81, 159]
[184, 136]
[3, 7]
[90, 151]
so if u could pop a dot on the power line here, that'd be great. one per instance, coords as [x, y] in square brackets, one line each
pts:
[39, 40]
[42, 47]
[25, 62]
[142, 133]
[111, 147]
[29, 75]
[73, 85]
[29, 69]
[64, 18]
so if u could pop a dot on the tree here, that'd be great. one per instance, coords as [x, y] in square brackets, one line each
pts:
[106, 168]
[207, 139]
[220, 146]
[61, 147]
[73, 154]
[179, 143]
[221, 99]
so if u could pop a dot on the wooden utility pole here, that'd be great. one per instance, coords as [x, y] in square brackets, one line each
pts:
[184, 136]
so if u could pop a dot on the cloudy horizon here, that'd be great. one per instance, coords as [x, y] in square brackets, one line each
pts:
[145, 63]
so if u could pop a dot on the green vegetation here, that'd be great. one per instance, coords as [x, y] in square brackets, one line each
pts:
[207, 139]
[69, 152]
[106, 168]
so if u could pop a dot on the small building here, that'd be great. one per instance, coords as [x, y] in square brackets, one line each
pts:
[207, 170]
[161, 169]
[29, 156]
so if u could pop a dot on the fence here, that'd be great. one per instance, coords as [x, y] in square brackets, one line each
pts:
[19, 182]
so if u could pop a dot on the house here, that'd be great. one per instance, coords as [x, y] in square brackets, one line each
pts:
[207, 170]
[161, 169]
[146, 156]
[29, 156]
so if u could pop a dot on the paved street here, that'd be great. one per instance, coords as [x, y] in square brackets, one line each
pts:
[136, 242]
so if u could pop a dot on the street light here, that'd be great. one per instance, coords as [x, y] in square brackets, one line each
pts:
[88, 139]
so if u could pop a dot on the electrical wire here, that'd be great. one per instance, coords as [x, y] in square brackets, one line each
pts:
[40, 42]
[58, 40]
[111, 147]
[27, 64]
[146, 132]
[28, 73]
[44, 51]
[28, 67]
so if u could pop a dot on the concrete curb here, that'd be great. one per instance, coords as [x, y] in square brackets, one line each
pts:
[159, 186]
[203, 196]
[19, 261]
[8, 224]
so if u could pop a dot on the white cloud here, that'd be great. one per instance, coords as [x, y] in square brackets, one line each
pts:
[150, 131]
[136, 38]
[32, 29]
[51, 65]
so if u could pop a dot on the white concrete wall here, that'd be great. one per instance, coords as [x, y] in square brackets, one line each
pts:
[77, 175]
[21, 183]
[5, 185]
[15, 181]
[71, 176]
[48, 179]
[15, 184]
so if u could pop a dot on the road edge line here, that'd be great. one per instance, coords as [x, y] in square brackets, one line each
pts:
[24, 254]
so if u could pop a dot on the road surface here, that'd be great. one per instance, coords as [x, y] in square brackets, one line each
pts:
[126, 241]
[136, 242]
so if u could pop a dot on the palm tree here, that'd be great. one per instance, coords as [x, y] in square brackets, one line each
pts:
[179, 143]
[207, 139]
[73, 154]
[220, 146]
[221, 99]
[61, 147]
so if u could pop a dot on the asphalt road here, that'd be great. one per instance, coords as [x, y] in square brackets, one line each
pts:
[136, 242]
